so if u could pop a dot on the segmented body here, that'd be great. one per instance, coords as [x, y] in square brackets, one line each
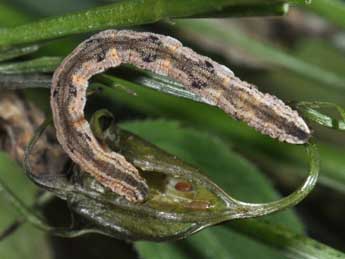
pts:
[165, 56]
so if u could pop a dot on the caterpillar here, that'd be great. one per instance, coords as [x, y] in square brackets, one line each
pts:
[164, 55]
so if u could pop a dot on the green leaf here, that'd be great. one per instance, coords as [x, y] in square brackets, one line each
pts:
[42, 64]
[161, 251]
[17, 52]
[27, 240]
[332, 10]
[120, 14]
[10, 16]
[20, 81]
[290, 244]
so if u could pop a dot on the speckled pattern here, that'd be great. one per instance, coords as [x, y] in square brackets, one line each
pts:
[215, 83]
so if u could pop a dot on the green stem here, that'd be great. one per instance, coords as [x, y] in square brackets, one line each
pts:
[260, 209]
[249, 11]
[123, 13]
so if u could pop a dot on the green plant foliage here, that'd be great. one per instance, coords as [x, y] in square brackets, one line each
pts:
[123, 13]
[33, 42]
[27, 240]
[332, 10]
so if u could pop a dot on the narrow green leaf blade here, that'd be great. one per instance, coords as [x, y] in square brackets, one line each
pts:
[27, 240]
[120, 14]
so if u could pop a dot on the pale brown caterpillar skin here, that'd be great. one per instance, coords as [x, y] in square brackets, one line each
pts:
[165, 56]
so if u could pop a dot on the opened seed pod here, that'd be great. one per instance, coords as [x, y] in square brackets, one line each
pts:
[181, 199]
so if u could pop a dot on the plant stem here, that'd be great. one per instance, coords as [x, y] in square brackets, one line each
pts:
[120, 14]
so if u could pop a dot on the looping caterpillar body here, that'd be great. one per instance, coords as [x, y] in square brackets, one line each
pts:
[163, 55]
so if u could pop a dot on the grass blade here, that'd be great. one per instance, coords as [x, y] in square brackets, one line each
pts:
[120, 14]
[17, 52]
